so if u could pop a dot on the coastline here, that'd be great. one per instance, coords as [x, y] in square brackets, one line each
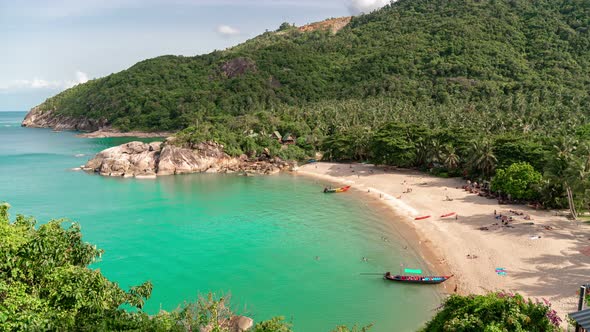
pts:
[419, 244]
[112, 133]
[550, 266]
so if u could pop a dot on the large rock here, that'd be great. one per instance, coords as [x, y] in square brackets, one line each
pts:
[143, 160]
[200, 158]
[130, 159]
[37, 118]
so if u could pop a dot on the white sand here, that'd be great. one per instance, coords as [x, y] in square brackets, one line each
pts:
[550, 267]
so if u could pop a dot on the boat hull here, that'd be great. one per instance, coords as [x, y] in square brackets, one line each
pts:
[418, 279]
[337, 190]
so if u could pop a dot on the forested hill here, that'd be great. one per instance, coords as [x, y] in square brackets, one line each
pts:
[413, 54]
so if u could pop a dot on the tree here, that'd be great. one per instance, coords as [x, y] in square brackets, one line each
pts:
[355, 328]
[494, 312]
[519, 180]
[276, 324]
[285, 26]
[45, 282]
[483, 159]
[450, 157]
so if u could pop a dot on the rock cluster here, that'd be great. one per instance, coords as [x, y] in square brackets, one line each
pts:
[143, 160]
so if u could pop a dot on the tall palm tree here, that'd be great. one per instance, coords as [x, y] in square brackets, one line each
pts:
[434, 151]
[450, 157]
[483, 158]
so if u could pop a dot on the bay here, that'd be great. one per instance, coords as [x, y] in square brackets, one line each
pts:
[276, 244]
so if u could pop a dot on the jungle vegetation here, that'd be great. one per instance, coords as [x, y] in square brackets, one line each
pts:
[455, 87]
[494, 312]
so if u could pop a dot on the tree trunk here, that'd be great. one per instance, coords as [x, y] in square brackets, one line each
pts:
[570, 200]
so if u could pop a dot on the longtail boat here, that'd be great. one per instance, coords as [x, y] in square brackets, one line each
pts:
[448, 214]
[336, 190]
[422, 218]
[416, 279]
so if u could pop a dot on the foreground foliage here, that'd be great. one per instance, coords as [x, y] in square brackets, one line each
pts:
[494, 312]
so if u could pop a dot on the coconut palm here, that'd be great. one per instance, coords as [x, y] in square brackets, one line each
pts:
[482, 157]
[450, 157]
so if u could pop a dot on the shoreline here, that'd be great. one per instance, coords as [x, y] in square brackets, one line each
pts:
[543, 260]
[112, 133]
[417, 242]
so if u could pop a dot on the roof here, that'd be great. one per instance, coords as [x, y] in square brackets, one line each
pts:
[582, 318]
[288, 137]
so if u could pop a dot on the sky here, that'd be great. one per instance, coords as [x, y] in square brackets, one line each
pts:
[48, 46]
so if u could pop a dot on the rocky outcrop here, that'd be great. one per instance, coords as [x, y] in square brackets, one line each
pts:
[130, 159]
[333, 25]
[238, 67]
[143, 160]
[37, 118]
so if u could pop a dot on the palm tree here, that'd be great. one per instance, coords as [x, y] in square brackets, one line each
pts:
[482, 157]
[450, 157]
[434, 152]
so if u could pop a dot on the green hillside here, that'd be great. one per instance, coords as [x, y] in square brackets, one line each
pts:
[415, 53]
[454, 86]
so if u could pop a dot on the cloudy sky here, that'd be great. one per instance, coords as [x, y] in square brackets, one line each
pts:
[50, 45]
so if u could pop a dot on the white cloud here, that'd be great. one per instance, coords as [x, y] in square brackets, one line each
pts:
[81, 77]
[39, 83]
[226, 30]
[366, 6]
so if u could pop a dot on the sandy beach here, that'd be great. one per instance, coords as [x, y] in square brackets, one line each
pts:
[547, 259]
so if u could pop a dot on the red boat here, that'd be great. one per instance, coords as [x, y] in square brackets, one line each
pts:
[336, 190]
[421, 218]
[417, 279]
[448, 214]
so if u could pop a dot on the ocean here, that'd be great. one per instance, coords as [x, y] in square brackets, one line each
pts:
[276, 244]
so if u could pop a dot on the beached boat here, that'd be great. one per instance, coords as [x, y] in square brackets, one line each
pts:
[448, 214]
[336, 190]
[417, 279]
[422, 218]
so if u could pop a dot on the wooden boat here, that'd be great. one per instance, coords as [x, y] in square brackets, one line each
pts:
[417, 279]
[421, 218]
[336, 190]
[448, 214]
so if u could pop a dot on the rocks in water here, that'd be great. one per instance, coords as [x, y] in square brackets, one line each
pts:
[130, 159]
[143, 160]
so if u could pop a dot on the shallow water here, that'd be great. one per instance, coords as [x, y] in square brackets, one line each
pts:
[276, 243]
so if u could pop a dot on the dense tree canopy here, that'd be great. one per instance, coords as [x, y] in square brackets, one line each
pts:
[522, 57]
[519, 180]
[494, 312]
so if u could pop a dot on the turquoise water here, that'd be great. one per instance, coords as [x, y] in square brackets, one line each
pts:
[255, 238]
